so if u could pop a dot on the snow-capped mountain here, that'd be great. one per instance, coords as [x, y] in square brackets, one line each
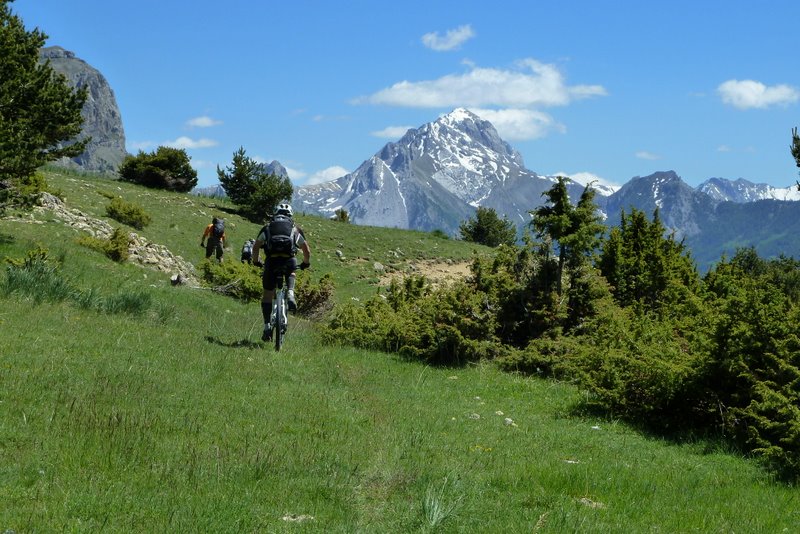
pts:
[742, 190]
[433, 178]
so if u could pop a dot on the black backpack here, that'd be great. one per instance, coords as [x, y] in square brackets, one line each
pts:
[219, 229]
[280, 236]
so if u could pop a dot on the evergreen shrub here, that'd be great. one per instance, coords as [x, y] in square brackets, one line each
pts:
[128, 213]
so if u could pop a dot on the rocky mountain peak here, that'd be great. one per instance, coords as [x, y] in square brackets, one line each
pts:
[102, 120]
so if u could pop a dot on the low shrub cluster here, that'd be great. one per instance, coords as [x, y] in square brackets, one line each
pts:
[22, 193]
[243, 281]
[128, 213]
[661, 346]
[115, 247]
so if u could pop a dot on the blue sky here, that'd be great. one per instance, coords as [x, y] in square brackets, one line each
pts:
[706, 88]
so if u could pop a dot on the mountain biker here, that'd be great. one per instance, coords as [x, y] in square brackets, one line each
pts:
[279, 239]
[215, 232]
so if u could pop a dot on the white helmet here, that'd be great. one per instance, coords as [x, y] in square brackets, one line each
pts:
[284, 209]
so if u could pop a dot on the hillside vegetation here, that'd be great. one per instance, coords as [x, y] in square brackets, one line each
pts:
[127, 404]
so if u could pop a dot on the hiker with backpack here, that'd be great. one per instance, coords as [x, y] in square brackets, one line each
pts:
[247, 250]
[280, 239]
[215, 233]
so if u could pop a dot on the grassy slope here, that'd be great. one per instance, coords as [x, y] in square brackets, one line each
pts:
[188, 424]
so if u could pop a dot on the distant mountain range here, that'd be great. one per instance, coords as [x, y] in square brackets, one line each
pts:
[435, 176]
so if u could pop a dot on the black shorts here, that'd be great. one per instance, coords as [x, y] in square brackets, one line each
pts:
[276, 267]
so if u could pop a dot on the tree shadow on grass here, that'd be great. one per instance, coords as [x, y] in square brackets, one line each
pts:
[237, 344]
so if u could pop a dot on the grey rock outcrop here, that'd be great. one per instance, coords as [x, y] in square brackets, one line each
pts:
[101, 115]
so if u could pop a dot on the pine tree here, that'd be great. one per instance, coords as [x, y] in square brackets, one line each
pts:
[39, 111]
[487, 228]
[256, 191]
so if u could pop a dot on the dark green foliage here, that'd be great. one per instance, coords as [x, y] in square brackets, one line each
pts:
[441, 234]
[22, 193]
[128, 213]
[166, 168]
[450, 326]
[115, 247]
[645, 267]
[39, 111]
[573, 230]
[254, 190]
[487, 228]
[314, 299]
[341, 215]
[795, 149]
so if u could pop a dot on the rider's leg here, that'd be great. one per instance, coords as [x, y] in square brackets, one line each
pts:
[290, 280]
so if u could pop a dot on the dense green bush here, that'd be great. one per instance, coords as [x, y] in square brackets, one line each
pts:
[115, 247]
[449, 326]
[166, 168]
[22, 193]
[128, 213]
[243, 281]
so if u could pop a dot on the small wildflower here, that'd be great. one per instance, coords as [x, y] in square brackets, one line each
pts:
[474, 416]
[509, 422]
[454, 377]
[595, 427]
[571, 462]
[297, 518]
[590, 503]
[499, 412]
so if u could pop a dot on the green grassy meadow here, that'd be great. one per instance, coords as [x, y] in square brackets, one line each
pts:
[174, 417]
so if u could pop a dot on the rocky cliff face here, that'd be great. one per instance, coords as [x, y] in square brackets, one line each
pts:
[102, 119]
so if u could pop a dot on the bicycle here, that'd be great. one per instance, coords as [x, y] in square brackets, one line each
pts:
[278, 320]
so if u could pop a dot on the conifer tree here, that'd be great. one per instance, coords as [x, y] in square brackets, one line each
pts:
[39, 111]
[487, 228]
[248, 184]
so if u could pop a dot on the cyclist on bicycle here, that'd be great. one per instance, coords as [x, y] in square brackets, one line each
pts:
[280, 239]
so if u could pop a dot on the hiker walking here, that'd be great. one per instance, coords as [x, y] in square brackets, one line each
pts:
[279, 239]
[247, 250]
[215, 233]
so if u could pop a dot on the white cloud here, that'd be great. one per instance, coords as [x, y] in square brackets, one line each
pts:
[202, 122]
[326, 175]
[203, 164]
[585, 178]
[746, 94]
[391, 132]
[644, 154]
[723, 148]
[135, 146]
[530, 84]
[450, 40]
[295, 175]
[189, 143]
[520, 124]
